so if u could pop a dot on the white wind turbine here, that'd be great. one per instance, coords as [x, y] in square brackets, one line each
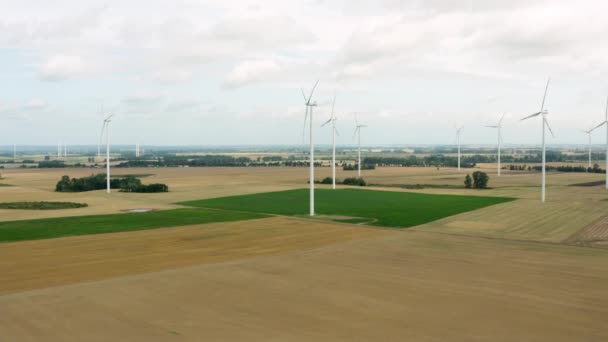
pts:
[543, 113]
[458, 132]
[334, 132]
[309, 107]
[589, 144]
[358, 133]
[106, 127]
[605, 122]
[499, 129]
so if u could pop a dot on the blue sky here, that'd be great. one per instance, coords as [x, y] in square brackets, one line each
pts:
[211, 73]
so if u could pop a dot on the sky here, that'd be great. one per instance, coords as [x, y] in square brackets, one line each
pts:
[187, 72]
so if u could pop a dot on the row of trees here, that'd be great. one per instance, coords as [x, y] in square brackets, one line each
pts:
[98, 182]
[347, 181]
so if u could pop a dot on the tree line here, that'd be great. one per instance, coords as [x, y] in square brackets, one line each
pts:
[98, 182]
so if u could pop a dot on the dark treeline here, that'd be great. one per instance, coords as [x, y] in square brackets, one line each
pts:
[595, 169]
[214, 161]
[98, 182]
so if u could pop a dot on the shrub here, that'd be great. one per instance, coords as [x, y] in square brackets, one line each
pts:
[468, 182]
[354, 181]
[327, 180]
[480, 180]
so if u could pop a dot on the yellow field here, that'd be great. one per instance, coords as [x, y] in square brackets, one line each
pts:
[521, 270]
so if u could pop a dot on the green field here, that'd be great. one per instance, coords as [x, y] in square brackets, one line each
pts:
[98, 224]
[385, 208]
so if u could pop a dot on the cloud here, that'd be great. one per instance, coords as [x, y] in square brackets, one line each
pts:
[62, 67]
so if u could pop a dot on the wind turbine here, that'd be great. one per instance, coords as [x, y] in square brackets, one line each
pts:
[106, 127]
[543, 113]
[499, 129]
[589, 135]
[358, 133]
[309, 107]
[458, 132]
[334, 131]
[605, 122]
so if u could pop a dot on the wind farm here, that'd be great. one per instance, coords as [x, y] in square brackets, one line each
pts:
[199, 205]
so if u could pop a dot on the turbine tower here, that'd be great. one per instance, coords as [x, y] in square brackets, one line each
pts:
[499, 129]
[589, 144]
[58, 149]
[358, 133]
[334, 132]
[106, 127]
[309, 107]
[458, 132]
[605, 122]
[543, 112]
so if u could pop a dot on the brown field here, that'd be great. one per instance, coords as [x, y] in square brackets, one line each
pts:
[519, 271]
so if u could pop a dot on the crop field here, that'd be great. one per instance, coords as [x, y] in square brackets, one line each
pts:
[212, 262]
[382, 208]
[99, 224]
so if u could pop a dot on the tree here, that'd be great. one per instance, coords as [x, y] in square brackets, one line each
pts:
[468, 182]
[480, 180]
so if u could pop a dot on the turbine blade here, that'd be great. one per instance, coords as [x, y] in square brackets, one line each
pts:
[333, 104]
[326, 122]
[542, 106]
[549, 127]
[303, 95]
[600, 125]
[336, 130]
[312, 91]
[492, 126]
[531, 116]
[304, 127]
[606, 108]
[500, 121]
[356, 121]
[355, 133]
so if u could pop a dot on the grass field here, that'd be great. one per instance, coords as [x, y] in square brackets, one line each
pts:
[387, 209]
[98, 224]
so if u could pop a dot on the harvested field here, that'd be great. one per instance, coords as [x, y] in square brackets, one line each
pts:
[596, 234]
[407, 286]
[38, 264]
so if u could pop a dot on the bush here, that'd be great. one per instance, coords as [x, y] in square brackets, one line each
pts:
[354, 181]
[327, 180]
[355, 167]
[468, 182]
[480, 180]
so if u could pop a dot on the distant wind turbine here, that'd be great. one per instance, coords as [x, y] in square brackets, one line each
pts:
[458, 133]
[605, 122]
[589, 144]
[106, 128]
[309, 107]
[499, 130]
[358, 133]
[334, 131]
[543, 113]
[58, 149]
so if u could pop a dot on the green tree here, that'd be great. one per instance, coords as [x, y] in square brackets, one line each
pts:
[480, 180]
[468, 182]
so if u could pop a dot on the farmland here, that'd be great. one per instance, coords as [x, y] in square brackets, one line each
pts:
[209, 250]
[384, 208]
